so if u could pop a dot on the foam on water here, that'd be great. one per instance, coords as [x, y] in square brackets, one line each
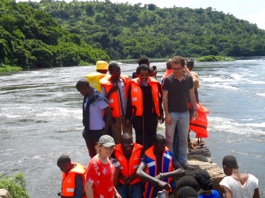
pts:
[41, 118]
[225, 125]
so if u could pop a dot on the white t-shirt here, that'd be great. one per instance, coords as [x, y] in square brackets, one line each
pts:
[241, 191]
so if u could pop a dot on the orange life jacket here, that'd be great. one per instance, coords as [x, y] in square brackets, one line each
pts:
[151, 168]
[129, 167]
[137, 96]
[167, 73]
[68, 180]
[199, 126]
[114, 101]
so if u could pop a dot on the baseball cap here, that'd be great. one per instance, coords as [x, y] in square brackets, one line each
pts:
[106, 141]
[101, 65]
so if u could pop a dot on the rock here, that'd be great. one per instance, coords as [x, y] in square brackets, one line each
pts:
[200, 157]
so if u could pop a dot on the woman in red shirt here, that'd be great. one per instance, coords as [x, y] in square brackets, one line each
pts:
[100, 171]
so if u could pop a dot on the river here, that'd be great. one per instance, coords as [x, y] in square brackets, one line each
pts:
[41, 119]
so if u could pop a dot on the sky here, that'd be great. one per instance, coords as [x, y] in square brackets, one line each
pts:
[250, 10]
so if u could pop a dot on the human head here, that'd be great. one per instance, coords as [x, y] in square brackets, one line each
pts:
[187, 192]
[229, 163]
[64, 163]
[102, 67]
[177, 65]
[144, 60]
[106, 140]
[187, 180]
[143, 72]
[160, 143]
[203, 178]
[190, 64]
[178, 60]
[127, 143]
[114, 70]
[168, 64]
[106, 145]
[83, 87]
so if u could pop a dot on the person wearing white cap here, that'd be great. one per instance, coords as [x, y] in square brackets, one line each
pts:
[100, 171]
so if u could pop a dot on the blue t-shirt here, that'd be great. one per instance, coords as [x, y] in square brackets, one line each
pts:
[215, 194]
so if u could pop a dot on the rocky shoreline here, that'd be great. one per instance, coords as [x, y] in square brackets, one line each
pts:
[200, 157]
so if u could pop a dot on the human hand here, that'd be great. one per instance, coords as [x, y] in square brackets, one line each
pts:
[164, 185]
[168, 120]
[161, 119]
[195, 115]
[117, 195]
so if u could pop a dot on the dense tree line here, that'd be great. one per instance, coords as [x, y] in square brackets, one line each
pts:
[57, 33]
[127, 31]
[32, 38]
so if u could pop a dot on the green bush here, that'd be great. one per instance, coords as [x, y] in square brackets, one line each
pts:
[15, 185]
[8, 69]
[212, 58]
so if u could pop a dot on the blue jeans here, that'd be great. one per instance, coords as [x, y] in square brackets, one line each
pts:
[130, 191]
[177, 142]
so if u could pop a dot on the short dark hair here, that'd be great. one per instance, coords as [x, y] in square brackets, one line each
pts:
[203, 178]
[178, 60]
[190, 63]
[144, 60]
[63, 159]
[143, 67]
[230, 161]
[82, 83]
[187, 192]
[169, 64]
[112, 66]
[187, 180]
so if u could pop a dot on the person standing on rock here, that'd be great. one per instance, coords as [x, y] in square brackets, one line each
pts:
[178, 88]
[94, 105]
[115, 88]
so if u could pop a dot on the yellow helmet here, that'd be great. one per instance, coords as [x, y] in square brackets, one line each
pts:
[101, 65]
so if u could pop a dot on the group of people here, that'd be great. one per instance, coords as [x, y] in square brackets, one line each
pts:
[138, 103]
[120, 167]
[133, 175]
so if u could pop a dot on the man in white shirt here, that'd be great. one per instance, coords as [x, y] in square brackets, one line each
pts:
[236, 184]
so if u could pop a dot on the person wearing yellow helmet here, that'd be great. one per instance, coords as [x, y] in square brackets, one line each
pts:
[94, 77]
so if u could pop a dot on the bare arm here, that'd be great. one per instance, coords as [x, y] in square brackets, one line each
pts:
[89, 191]
[173, 174]
[193, 75]
[193, 102]
[256, 193]
[113, 89]
[108, 119]
[116, 175]
[117, 195]
[228, 193]
[195, 80]
[165, 104]
[153, 180]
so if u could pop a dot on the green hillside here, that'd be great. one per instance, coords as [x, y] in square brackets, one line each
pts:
[127, 31]
[56, 33]
[31, 38]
